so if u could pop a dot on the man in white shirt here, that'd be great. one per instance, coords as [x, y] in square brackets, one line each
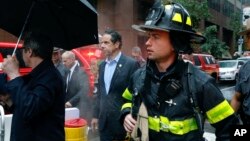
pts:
[77, 85]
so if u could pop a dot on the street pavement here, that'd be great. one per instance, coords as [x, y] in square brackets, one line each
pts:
[209, 132]
[209, 136]
[93, 137]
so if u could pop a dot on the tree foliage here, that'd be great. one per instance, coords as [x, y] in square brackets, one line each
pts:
[235, 22]
[198, 11]
[213, 45]
[235, 25]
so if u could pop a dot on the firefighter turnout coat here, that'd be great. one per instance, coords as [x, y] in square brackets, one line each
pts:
[171, 115]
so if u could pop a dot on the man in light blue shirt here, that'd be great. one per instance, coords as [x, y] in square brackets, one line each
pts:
[109, 70]
[114, 75]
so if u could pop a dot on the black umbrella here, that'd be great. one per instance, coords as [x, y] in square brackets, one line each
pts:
[69, 23]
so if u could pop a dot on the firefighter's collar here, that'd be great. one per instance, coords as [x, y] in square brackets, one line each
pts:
[173, 69]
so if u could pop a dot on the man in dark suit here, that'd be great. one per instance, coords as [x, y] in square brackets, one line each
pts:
[114, 75]
[57, 60]
[77, 85]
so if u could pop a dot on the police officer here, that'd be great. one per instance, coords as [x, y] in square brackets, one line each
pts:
[177, 95]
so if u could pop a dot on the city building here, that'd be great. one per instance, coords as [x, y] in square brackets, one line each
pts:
[121, 14]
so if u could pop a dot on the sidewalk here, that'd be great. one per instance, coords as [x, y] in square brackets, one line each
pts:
[207, 135]
[93, 136]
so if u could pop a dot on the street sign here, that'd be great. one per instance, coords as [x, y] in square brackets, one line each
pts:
[240, 41]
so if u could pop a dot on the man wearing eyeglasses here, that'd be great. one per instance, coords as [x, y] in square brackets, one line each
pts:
[38, 97]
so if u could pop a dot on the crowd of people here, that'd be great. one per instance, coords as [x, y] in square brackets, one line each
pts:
[156, 98]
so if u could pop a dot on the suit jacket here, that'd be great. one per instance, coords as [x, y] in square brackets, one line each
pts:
[78, 90]
[61, 68]
[108, 106]
[3, 80]
[38, 102]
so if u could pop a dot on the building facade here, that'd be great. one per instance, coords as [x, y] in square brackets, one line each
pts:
[122, 14]
[222, 11]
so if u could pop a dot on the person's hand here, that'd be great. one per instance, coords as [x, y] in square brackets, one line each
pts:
[4, 97]
[94, 125]
[10, 66]
[68, 105]
[129, 123]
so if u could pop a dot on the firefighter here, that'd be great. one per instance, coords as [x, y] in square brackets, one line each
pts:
[174, 97]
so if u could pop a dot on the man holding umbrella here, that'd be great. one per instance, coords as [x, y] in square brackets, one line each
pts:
[38, 97]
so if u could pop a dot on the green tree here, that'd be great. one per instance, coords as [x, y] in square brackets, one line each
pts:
[213, 45]
[236, 25]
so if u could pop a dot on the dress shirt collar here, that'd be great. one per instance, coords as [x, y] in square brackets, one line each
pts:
[116, 59]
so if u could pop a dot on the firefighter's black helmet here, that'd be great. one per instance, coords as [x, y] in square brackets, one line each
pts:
[171, 17]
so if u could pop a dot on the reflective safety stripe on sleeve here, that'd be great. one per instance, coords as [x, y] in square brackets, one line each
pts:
[220, 112]
[127, 95]
[126, 105]
[175, 127]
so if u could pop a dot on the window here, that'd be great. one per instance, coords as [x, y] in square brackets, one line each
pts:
[197, 61]
[214, 4]
[211, 60]
[206, 59]
[228, 9]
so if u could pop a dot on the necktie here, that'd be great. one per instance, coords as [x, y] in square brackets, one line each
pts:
[68, 79]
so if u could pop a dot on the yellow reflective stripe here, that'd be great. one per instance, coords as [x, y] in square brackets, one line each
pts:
[126, 105]
[164, 124]
[127, 95]
[220, 112]
[154, 124]
[175, 127]
[183, 127]
[188, 22]
[177, 17]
